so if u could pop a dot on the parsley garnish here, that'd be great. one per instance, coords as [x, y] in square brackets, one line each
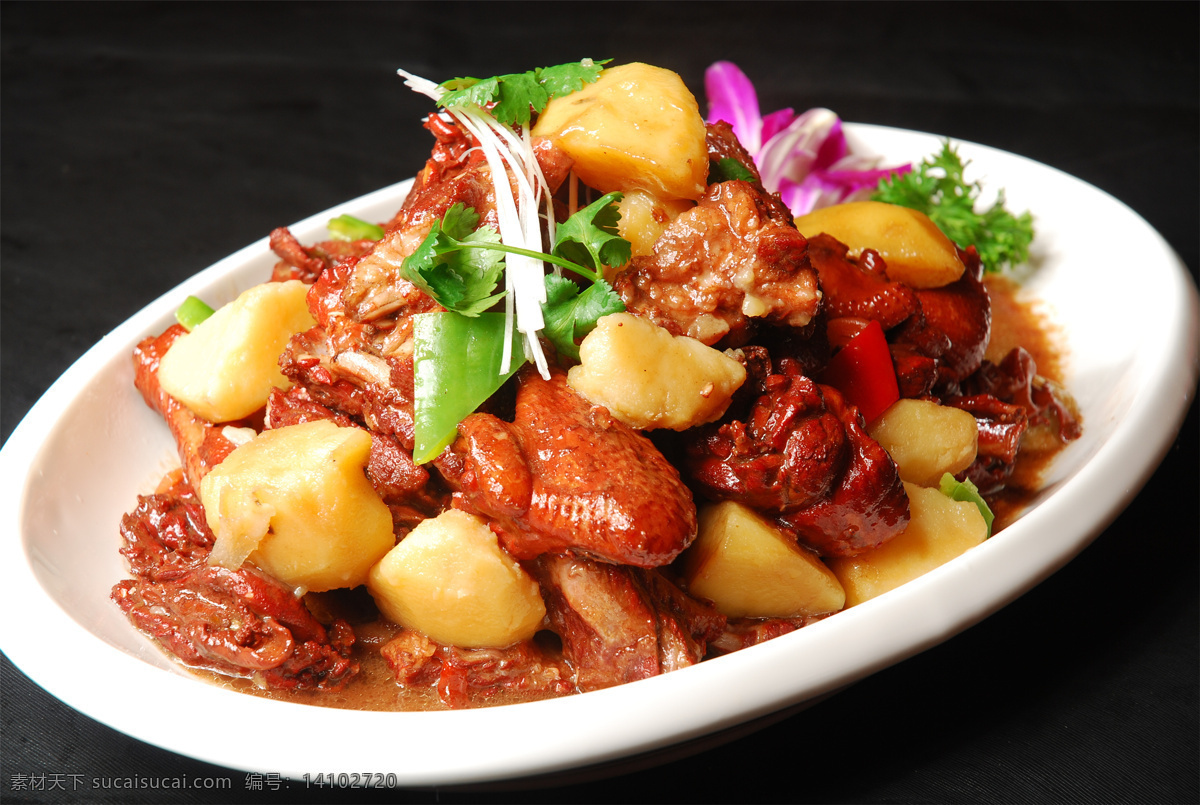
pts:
[457, 264]
[936, 188]
[589, 237]
[517, 95]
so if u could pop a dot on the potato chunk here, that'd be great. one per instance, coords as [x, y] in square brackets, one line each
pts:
[926, 440]
[939, 529]
[644, 217]
[747, 568]
[637, 127]
[915, 250]
[648, 378]
[451, 580]
[225, 368]
[296, 502]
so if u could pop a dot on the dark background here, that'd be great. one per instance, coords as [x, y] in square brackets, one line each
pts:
[141, 143]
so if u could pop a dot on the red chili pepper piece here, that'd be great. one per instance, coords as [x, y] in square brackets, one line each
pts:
[863, 372]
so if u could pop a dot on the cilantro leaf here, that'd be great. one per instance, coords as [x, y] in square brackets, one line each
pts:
[453, 264]
[589, 237]
[726, 169]
[570, 314]
[937, 188]
[516, 96]
[519, 94]
[459, 263]
[563, 79]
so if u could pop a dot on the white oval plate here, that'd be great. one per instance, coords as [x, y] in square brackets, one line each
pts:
[77, 461]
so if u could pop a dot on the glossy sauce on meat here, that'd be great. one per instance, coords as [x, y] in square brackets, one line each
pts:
[1019, 322]
[374, 688]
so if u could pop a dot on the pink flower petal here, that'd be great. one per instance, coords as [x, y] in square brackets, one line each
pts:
[731, 97]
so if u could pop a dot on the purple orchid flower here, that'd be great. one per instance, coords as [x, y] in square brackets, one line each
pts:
[805, 157]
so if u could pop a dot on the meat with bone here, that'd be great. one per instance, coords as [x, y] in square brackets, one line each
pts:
[721, 267]
[802, 457]
[740, 633]
[565, 475]
[235, 622]
[621, 624]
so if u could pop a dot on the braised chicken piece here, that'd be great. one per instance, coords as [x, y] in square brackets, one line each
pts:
[802, 457]
[565, 475]
[1007, 400]
[236, 622]
[859, 288]
[620, 624]
[867, 505]
[938, 335]
[955, 323]
[471, 676]
[167, 535]
[723, 144]
[305, 263]
[740, 633]
[721, 267]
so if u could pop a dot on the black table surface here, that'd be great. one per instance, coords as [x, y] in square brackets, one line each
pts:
[141, 143]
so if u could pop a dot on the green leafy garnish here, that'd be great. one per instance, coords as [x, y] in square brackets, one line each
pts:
[347, 227]
[193, 311]
[936, 188]
[517, 95]
[570, 314]
[727, 169]
[589, 237]
[457, 263]
[964, 490]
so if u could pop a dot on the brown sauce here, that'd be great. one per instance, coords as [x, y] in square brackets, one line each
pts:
[1020, 322]
[1015, 322]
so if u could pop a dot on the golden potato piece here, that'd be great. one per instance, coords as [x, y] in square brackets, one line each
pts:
[747, 568]
[225, 368]
[926, 440]
[296, 502]
[644, 217]
[939, 529]
[648, 378]
[917, 253]
[637, 127]
[451, 580]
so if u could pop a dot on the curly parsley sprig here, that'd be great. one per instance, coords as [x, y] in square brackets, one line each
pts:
[936, 187]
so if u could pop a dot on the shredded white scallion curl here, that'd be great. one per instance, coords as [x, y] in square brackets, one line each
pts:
[518, 213]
